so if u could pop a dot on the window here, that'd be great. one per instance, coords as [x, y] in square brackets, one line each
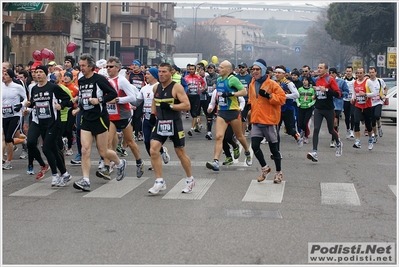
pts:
[125, 7]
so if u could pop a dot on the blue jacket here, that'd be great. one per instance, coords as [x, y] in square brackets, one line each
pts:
[343, 86]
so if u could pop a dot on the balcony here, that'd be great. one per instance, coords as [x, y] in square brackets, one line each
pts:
[121, 11]
[42, 26]
[95, 31]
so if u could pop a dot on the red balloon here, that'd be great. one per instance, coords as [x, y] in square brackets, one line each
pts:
[37, 55]
[51, 55]
[45, 53]
[71, 46]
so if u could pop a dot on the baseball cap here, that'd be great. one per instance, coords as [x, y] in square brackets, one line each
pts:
[212, 66]
[52, 63]
[333, 70]
[242, 64]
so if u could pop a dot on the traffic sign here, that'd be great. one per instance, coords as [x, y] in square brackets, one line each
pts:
[25, 7]
[297, 49]
[248, 48]
[381, 61]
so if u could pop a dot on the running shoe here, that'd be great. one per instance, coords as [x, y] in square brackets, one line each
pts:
[140, 169]
[352, 134]
[82, 185]
[187, 116]
[101, 164]
[15, 148]
[375, 138]
[7, 165]
[104, 173]
[64, 179]
[55, 179]
[236, 152]
[248, 159]
[332, 144]
[30, 170]
[158, 186]
[278, 177]
[366, 133]
[208, 136]
[24, 154]
[121, 171]
[348, 133]
[140, 136]
[380, 133]
[312, 156]
[228, 161]
[190, 133]
[299, 142]
[65, 143]
[264, 141]
[42, 171]
[357, 144]
[188, 188]
[305, 140]
[77, 160]
[121, 151]
[338, 149]
[165, 155]
[214, 165]
[265, 172]
[370, 146]
[69, 152]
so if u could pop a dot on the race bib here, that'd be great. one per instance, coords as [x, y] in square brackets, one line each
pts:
[137, 83]
[165, 128]
[320, 94]
[43, 110]
[7, 110]
[112, 109]
[193, 90]
[222, 101]
[85, 100]
[361, 99]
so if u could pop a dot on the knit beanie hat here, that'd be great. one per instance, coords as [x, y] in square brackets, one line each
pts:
[261, 64]
[154, 72]
[137, 62]
[43, 68]
[295, 72]
[70, 59]
[69, 74]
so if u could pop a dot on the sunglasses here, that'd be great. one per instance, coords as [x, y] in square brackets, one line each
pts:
[110, 66]
[256, 69]
[242, 67]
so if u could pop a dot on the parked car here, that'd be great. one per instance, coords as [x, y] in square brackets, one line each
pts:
[389, 108]
[390, 82]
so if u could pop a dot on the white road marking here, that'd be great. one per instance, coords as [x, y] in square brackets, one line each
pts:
[339, 194]
[116, 189]
[265, 191]
[199, 190]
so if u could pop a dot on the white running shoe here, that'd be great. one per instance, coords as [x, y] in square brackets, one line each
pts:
[165, 155]
[300, 142]
[55, 179]
[24, 154]
[352, 135]
[158, 186]
[248, 159]
[312, 156]
[190, 183]
[338, 150]
[69, 152]
[348, 134]
[370, 146]
[101, 164]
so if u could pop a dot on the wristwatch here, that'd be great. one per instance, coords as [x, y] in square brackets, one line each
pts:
[117, 100]
[100, 99]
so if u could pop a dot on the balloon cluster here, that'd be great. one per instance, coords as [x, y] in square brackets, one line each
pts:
[46, 53]
[43, 54]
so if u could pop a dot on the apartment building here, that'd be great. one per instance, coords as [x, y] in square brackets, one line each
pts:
[129, 30]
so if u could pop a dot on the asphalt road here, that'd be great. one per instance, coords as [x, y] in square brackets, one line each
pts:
[228, 219]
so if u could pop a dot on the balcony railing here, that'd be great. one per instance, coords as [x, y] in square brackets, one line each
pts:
[96, 31]
[42, 26]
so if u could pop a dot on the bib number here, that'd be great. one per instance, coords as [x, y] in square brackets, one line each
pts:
[165, 128]
[361, 99]
[85, 100]
[222, 100]
[7, 110]
[43, 110]
[112, 109]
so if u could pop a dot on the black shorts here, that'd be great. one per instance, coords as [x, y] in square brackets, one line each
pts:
[122, 124]
[337, 113]
[178, 138]
[195, 105]
[229, 115]
[10, 126]
[95, 127]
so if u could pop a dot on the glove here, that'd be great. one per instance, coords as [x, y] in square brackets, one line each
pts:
[224, 94]
[152, 119]
[17, 107]
[165, 106]
[265, 94]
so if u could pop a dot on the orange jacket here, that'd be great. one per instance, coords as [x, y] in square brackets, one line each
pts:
[264, 110]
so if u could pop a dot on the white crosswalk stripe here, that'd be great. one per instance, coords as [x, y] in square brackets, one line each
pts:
[394, 189]
[41, 188]
[265, 191]
[116, 189]
[201, 187]
[339, 194]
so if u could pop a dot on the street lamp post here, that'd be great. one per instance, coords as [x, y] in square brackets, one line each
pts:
[195, 27]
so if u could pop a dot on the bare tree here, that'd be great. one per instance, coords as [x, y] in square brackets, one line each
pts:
[206, 39]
